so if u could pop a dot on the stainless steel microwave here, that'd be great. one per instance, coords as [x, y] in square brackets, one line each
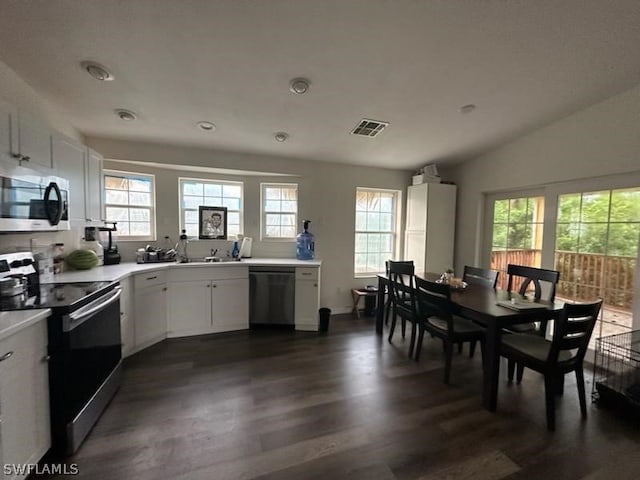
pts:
[31, 201]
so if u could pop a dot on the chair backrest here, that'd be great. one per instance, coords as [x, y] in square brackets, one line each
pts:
[402, 285]
[480, 276]
[397, 262]
[573, 331]
[434, 300]
[535, 276]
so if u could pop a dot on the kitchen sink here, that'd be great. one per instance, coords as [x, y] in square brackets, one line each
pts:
[219, 259]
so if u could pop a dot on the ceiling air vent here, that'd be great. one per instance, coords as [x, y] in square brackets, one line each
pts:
[369, 128]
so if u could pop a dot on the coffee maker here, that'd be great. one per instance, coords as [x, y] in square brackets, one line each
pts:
[111, 255]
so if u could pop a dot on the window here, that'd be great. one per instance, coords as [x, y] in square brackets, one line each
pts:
[376, 230]
[596, 252]
[130, 201]
[212, 193]
[517, 234]
[279, 211]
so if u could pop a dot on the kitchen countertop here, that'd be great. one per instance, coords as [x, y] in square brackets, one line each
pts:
[12, 322]
[123, 270]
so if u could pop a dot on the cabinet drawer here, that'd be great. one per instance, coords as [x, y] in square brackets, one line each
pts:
[215, 272]
[306, 273]
[149, 279]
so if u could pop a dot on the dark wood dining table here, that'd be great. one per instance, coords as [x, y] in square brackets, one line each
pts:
[479, 303]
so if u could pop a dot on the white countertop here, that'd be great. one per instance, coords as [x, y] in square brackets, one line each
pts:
[12, 322]
[123, 270]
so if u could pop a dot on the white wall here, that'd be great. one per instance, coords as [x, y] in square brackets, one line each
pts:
[600, 146]
[15, 91]
[326, 197]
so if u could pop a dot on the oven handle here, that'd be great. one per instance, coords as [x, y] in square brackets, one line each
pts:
[73, 320]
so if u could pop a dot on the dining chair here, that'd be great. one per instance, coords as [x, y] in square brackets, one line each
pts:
[388, 302]
[533, 276]
[563, 354]
[480, 276]
[436, 315]
[403, 300]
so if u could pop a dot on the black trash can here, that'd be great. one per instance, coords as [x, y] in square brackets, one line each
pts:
[369, 305]
[325, 314]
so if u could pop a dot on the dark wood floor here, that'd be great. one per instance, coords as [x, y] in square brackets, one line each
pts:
[347, 404]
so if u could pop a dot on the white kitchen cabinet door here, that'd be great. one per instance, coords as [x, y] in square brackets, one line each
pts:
[93, 187]
[127, 329]
[8, 131]
[189, 306]
[150, 315]
[430, 232]
[230, 304]
[307, 301]
[35, 142]
[24, 396]
[69, 158]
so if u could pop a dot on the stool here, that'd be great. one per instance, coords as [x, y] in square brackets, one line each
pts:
[370, 296]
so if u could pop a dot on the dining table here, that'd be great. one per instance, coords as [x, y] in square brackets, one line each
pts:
[480, 304]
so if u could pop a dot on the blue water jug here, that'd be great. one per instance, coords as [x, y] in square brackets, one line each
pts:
[306, 244]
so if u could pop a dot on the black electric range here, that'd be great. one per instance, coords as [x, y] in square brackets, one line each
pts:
[61, 297]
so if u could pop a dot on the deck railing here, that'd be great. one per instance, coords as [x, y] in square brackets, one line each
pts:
[583, 276]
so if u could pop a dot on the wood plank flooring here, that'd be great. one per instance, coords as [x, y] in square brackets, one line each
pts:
[275, 405]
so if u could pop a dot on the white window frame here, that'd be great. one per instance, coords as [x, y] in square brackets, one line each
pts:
[395, 234]
[211, 181]
[264, 212]
[152, 209]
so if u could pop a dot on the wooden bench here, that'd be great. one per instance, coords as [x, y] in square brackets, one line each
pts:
[357, 293]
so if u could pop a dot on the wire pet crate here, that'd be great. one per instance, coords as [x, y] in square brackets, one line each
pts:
[616, 377]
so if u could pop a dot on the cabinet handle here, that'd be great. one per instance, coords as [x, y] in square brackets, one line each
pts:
[306, 274]
[164, 289]
[16, 155]
[315, 284]
[214, 286]
[25, 158]
[46, 358]
[152, 278]
[6, 356]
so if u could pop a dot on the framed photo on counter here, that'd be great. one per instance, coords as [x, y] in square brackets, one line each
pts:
[213, 223]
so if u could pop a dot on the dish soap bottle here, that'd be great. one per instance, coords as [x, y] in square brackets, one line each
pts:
[235, 252]
[183, 256]
[306, 243]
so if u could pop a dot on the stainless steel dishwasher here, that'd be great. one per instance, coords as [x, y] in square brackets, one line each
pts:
[272, 295]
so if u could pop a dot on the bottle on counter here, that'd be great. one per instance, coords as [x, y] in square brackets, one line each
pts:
[306, 243]
[235, 252]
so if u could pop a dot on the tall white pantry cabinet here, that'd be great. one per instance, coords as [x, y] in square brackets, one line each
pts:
[430, 228]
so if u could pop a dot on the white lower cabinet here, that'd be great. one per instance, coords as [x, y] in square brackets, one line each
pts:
[208, 300]
[127, 328]
[307, 298]
[24, 397]
[150, 308]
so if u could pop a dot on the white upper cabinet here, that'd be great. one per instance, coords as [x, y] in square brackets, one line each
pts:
[69, 158]
[34, 144]
[8, 127]
[93, 186]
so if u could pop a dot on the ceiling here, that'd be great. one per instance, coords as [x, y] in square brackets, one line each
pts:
[411, 63]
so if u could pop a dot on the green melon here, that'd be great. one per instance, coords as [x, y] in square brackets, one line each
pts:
[82, 259]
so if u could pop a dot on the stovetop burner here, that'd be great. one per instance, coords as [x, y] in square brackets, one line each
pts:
[60, 296]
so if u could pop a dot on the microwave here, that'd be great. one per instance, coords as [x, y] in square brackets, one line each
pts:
[32, 201]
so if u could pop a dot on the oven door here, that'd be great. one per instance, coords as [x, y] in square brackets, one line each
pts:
[84, 360]
[30, 201]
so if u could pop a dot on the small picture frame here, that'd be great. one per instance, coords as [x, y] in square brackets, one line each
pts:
[213, 223]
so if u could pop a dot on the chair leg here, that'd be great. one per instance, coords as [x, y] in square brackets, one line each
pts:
[448, 352]
[404, 326]
[387, 308]
[519, 372]
[393, 326]
[581, 393]
[472, 348]
[511, 367]
[412, 342]
[419, 344]
[549, 395]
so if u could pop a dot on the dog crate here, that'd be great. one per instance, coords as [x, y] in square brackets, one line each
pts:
[616, 374]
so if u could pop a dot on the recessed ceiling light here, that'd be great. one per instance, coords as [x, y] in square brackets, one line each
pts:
[206, 126]
[281, 136]
[467, 108]
[97, 71]
[126, 115]
[299, 85]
